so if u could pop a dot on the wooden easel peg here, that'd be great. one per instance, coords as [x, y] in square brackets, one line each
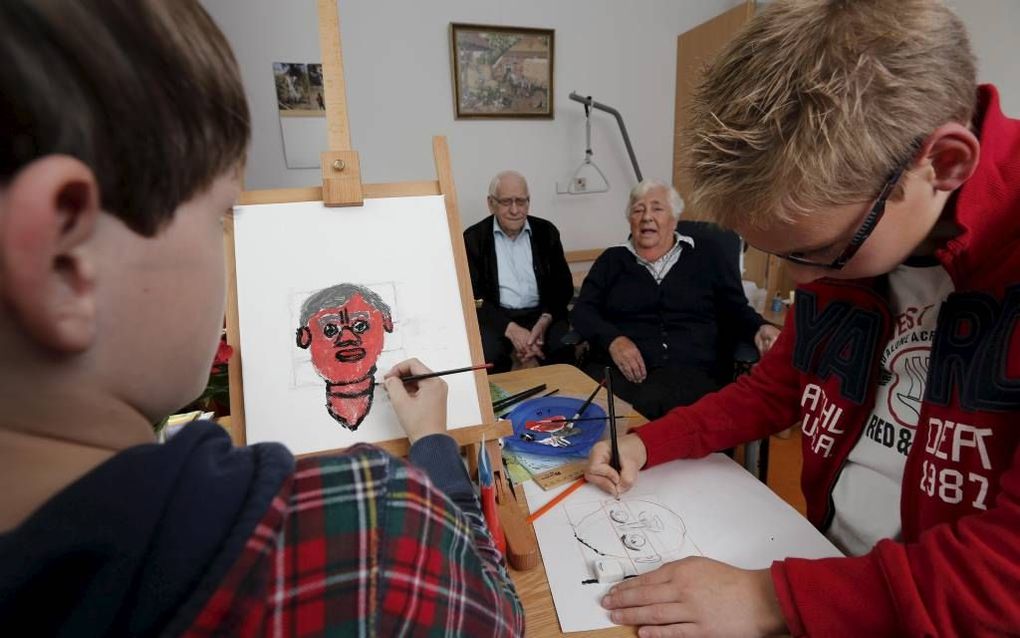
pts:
[341, 179]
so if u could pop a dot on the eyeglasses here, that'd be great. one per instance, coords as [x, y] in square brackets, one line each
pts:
[863, 231]
[505, 202]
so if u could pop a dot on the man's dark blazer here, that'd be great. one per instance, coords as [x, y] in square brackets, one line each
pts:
[555, 284]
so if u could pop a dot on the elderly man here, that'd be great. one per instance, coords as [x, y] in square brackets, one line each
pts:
[520, 277]
[658, 307]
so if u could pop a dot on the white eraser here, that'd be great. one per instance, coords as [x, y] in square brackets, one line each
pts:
[609, 571]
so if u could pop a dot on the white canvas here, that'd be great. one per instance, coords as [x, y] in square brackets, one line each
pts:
[708, 507]
[398, 248]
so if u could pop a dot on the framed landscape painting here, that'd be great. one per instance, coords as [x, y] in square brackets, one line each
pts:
[502, 72]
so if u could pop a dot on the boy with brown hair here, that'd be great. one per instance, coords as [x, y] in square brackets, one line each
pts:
[849, 137]
[125, 129]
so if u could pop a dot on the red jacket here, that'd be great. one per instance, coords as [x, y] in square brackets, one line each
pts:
[957, 569]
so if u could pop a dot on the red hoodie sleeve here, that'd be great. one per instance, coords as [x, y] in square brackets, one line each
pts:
[756, 405]
[958, 579]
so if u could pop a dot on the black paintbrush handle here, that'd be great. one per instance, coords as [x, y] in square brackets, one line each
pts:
[498, 406]
[614, 447]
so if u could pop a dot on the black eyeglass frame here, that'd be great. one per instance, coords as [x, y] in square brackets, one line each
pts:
[864, 230]
[522, 202]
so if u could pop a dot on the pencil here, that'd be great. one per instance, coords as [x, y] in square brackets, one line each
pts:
[614, 447]
[556, 500]
[442, 373]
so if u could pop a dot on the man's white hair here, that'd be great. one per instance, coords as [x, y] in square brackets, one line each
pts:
[676, 203]
[494, 184]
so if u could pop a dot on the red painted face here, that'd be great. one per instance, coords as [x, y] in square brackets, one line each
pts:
[345, 340]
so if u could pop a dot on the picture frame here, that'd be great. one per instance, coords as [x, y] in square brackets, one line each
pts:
[502, 72]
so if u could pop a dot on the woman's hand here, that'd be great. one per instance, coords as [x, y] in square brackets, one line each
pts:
[628, 359]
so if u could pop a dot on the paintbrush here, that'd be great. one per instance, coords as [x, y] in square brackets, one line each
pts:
[584, 406]
[440, 373]
[563, 419]
[614, 446]
[500, 405]
[507, 413]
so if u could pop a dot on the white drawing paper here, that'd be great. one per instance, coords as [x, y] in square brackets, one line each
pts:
[399, 251]
[708, 507]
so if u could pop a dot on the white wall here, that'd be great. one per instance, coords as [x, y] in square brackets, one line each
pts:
[397, 63]
[993, 26]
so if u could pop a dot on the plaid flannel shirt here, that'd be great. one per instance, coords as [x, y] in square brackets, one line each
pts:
[364, 545]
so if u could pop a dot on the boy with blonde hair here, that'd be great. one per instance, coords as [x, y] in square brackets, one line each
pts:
[849, 138]
[124, 132]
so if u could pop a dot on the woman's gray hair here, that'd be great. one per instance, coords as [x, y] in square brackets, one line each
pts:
[676, 203]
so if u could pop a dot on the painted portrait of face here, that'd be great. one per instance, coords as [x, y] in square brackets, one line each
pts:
[344, 327]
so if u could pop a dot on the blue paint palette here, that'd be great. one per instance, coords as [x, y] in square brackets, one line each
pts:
[548, 407]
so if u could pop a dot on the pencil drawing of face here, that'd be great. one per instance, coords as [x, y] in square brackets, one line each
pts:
[643, 533]
[344, 326]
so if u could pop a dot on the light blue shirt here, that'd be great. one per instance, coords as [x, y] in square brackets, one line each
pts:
[517, 285]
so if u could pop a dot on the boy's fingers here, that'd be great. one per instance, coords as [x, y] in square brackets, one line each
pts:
[417, 367]
[599, 453]
[603, 470]
[407, 368]
[601, 482]
[628, 474]
[395, 389]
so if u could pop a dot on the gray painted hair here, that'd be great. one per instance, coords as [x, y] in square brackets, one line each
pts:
[494, 184]
[338, 295]
[676, 203]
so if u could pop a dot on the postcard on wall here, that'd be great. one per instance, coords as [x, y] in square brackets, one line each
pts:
[299, 90]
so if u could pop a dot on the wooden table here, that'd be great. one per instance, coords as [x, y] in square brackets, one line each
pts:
[532, 585]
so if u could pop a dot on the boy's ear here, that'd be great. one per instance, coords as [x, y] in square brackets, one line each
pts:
[304, 337]
[48, 216]
[954, 151]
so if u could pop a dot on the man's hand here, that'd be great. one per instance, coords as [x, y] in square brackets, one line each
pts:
[765, 337]
[421, 405]
[633, 457]
[519, 337]
[628, 359]
[537, 338]
[698, 597]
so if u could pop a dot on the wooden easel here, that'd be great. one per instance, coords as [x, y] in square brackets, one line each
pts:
[342, 186]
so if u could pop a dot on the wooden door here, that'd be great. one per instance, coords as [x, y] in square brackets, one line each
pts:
[694, 49]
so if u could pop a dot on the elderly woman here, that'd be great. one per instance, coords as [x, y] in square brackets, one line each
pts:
[657, 307]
